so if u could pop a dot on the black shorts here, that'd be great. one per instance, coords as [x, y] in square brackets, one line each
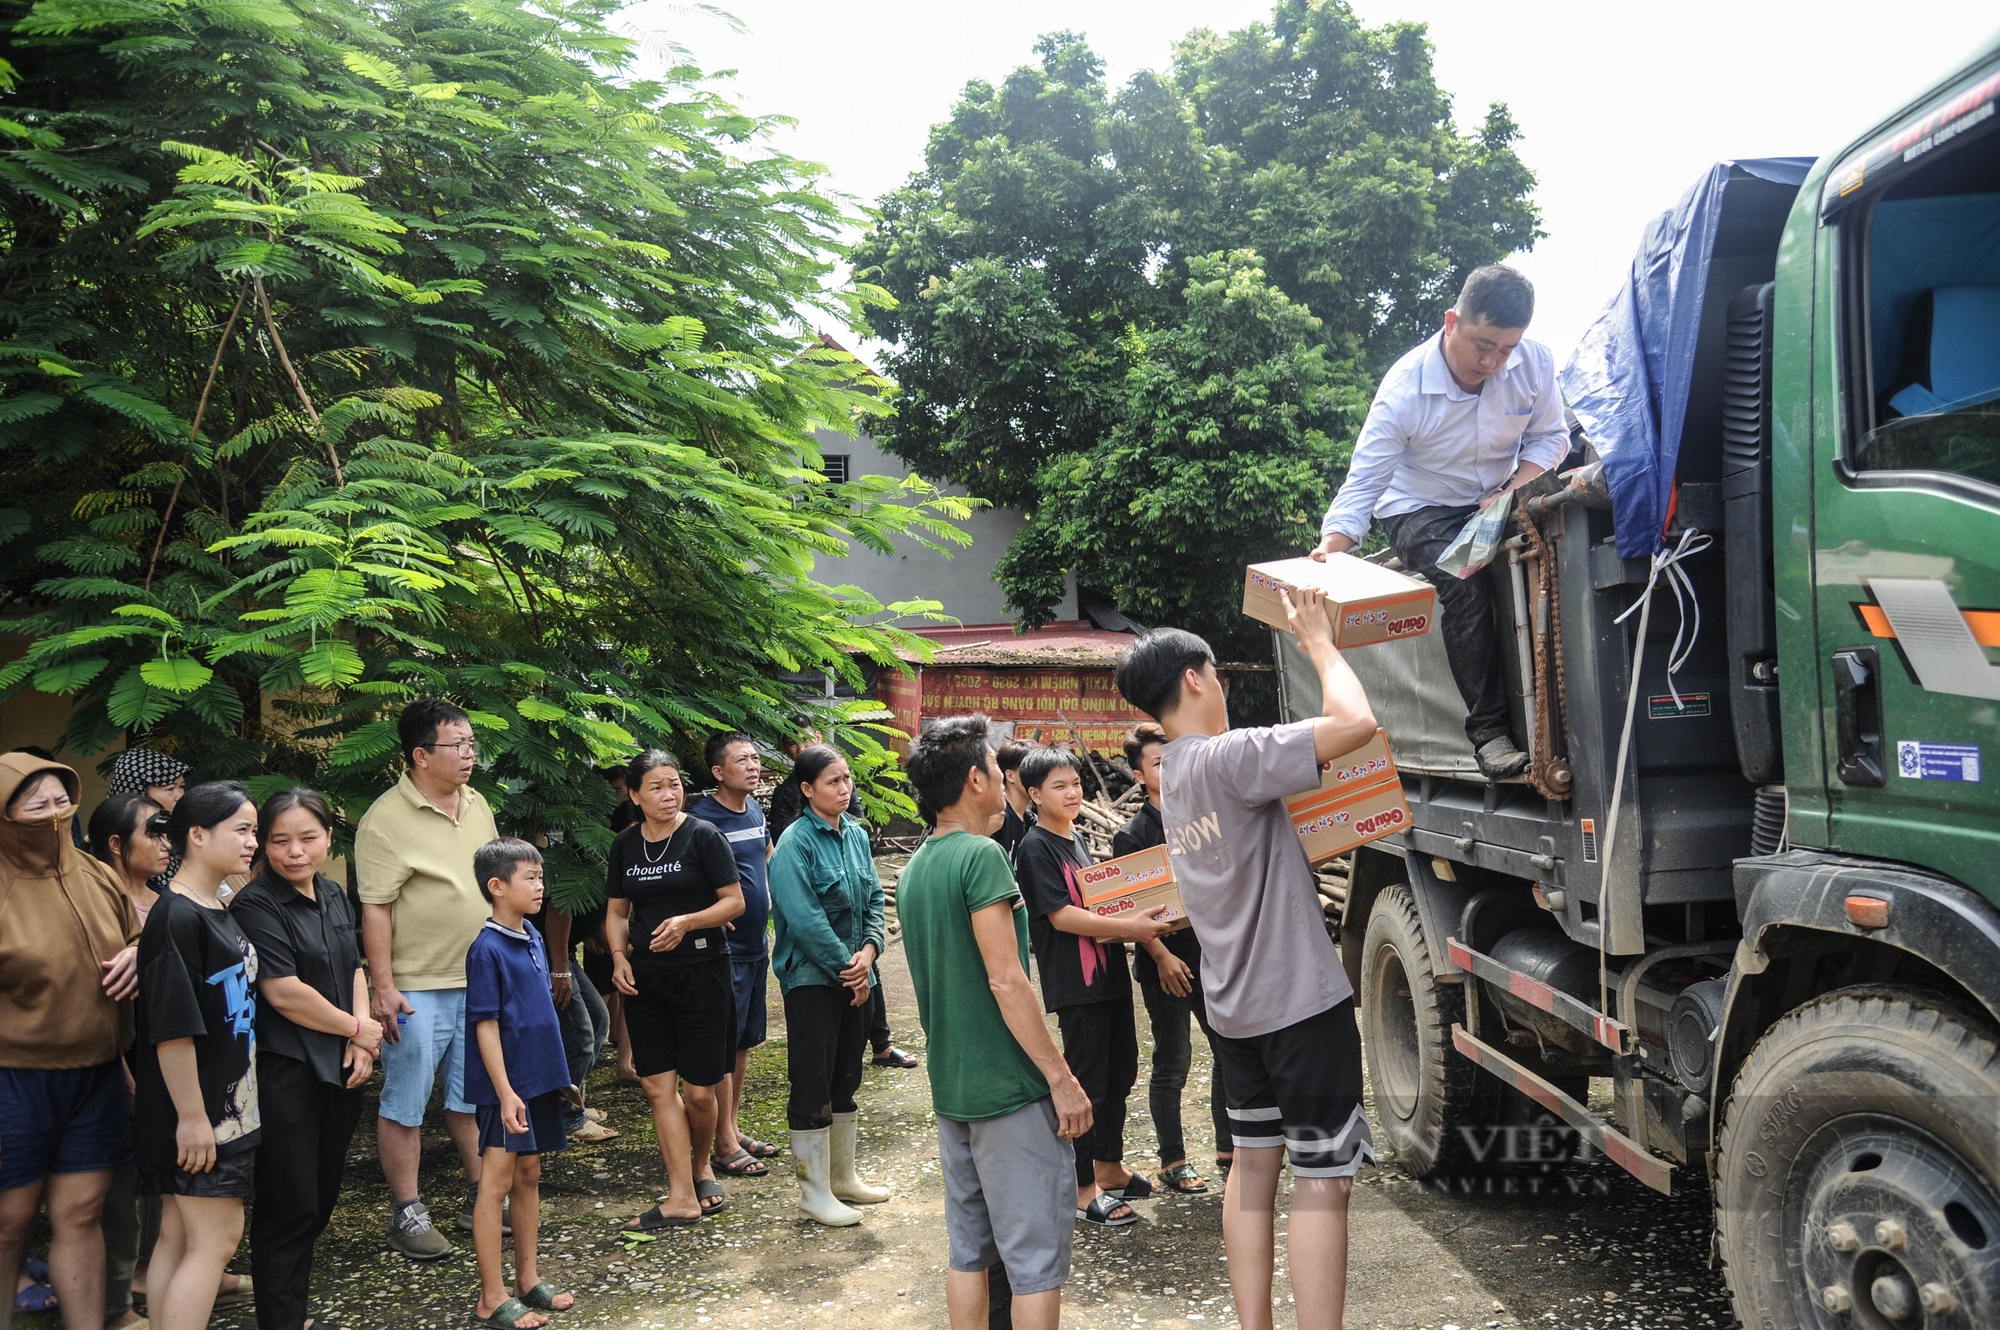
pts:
[234, 1177]
[683, 1020]
[1300, 1087]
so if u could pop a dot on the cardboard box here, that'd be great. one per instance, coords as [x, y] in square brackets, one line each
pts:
[1332, 824]
[1369, 765]
[1367, 603]
[1134, 884]
[1359, 799]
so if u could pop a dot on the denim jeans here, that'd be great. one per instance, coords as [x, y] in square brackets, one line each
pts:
[586, 1024]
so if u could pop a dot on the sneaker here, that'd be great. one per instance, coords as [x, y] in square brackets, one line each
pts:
[591, 1133]
[412, 1233]
[506, 1212]
[1499, 759]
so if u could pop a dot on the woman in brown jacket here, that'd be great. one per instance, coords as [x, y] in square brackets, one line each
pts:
[68, 965]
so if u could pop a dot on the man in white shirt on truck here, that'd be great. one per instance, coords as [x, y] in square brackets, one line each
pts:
[1467, 416]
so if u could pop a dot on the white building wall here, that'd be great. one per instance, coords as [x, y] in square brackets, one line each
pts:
[963, 581]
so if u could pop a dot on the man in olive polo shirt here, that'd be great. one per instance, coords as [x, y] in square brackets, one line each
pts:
[420, 909]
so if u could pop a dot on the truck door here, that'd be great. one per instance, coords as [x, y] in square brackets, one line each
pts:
[1906, 490]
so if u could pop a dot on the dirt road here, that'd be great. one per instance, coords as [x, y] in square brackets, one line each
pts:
[1587, 1248]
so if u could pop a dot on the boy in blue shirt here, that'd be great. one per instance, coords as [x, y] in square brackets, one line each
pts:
[514, 1083]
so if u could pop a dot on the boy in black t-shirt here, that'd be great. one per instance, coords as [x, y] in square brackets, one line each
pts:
[1014, 818]
[1081, 959]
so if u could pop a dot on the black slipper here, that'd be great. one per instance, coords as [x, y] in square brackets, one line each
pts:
[1103, 1212]
[1138, 1187]
[656, 1219]
[706, 1190]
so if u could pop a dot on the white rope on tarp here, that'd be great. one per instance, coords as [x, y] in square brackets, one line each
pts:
[1667, 564]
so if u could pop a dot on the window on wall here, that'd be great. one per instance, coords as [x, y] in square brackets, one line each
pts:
[1929, 323]
[835, 467]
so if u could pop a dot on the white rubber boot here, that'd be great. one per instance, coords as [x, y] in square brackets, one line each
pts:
[811, 1157]
[847, 1184]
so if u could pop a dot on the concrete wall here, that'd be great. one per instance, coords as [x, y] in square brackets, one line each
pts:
[32, 718]
[964, 581]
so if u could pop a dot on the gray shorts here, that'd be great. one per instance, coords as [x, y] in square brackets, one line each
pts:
[1010, 1195]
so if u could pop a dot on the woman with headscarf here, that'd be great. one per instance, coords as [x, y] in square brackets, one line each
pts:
[68, 962]
[163, 779]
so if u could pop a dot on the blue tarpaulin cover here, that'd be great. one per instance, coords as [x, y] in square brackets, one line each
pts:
[1628, 379]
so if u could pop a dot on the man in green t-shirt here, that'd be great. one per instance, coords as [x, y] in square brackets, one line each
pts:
[1007, 1105]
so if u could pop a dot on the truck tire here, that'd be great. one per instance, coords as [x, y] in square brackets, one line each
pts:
[1858, 1180]
[1424, 1090]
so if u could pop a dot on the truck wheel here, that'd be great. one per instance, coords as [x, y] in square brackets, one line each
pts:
[1424, 1091]
[1858, 1183]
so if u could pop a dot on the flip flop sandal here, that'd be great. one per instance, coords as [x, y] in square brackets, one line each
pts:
[36, 1297]
[740, 1165]
[1137, 1188]
[1183, 1179]
[757, 1149]
[243, 1292]
[656, 1219]
[706, 1190]
[505, 1315]
[893, 1056]
[542, 1297]
[1103, 1212]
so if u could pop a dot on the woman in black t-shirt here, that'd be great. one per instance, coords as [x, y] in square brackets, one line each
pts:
[672, 886]
[196, 1122]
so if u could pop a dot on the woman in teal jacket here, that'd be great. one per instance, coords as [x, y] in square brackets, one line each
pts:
[827, 903]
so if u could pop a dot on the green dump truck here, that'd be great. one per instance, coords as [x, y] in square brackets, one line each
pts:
[1752, 879]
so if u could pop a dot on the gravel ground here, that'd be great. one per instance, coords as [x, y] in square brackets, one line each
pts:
[1586, 1247]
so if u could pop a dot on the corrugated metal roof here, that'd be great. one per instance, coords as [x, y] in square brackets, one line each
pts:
[1065, 642]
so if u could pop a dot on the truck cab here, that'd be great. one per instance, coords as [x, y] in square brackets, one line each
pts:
[1752, 878]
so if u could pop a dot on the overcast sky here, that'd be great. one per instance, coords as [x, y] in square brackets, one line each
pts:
[1622, 105]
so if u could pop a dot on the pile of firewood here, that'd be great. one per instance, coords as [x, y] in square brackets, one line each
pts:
[1102, 817]
[1332, 882]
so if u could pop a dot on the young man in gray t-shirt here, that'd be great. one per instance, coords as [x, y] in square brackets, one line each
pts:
[1278, 999]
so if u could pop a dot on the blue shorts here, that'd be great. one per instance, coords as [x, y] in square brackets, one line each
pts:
[71, 1120]
[434, 1033]
[545, 1134]
[752, 1007]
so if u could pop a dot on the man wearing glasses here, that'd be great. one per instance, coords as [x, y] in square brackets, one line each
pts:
[421, 907]
[1467, 416]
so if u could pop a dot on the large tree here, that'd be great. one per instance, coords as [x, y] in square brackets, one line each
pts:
[1153, 318]
[354, 351]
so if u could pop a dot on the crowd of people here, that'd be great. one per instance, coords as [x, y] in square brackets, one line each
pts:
[1031, 1134]
[196, 1011]
[191, 1025]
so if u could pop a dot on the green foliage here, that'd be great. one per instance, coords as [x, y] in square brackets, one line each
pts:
[1153, 319]
[351, 353]
[1222, 447]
